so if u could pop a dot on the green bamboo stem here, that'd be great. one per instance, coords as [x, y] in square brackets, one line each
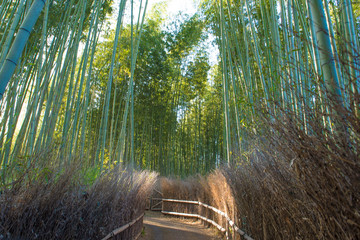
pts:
[8, 68]
[11, 33]
[109, 83]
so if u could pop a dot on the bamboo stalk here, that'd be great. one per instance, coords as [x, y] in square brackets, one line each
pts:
[8, 68]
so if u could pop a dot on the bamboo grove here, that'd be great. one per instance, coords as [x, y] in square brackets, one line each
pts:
[286, 60]
[80, 93]
[104, 83]
[52, 85]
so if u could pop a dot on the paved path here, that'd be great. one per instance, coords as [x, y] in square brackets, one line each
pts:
[160, 227]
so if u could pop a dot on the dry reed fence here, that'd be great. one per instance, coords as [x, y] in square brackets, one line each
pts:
[293, 185]
[205, 190]
[61, 208]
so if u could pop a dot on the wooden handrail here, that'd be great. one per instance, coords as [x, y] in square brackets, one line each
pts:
[228, 219]
[123, 228]
[196, 216]
[231, 223]
[175, 200]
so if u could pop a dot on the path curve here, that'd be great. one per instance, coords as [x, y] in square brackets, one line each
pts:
[160, 227]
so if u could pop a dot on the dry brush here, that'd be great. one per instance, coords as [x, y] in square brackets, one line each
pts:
[64, 208]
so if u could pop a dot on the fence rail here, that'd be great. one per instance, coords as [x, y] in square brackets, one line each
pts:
[196, 216]
[228, 219]
[123, 228]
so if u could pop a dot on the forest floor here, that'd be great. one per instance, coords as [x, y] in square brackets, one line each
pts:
[160, 227]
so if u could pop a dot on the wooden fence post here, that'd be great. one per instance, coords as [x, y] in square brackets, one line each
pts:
[227, 230]
[234, 217]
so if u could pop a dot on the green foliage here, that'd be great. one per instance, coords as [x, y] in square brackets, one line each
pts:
[171, 82]
[90, 175]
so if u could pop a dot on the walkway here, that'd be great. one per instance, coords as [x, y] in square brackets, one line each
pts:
[160, 227]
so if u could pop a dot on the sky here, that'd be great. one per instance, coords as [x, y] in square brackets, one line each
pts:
[174, 6]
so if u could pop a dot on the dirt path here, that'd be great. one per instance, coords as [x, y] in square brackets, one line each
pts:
[160, 227]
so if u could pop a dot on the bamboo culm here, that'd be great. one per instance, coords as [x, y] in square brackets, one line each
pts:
[20, 41]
